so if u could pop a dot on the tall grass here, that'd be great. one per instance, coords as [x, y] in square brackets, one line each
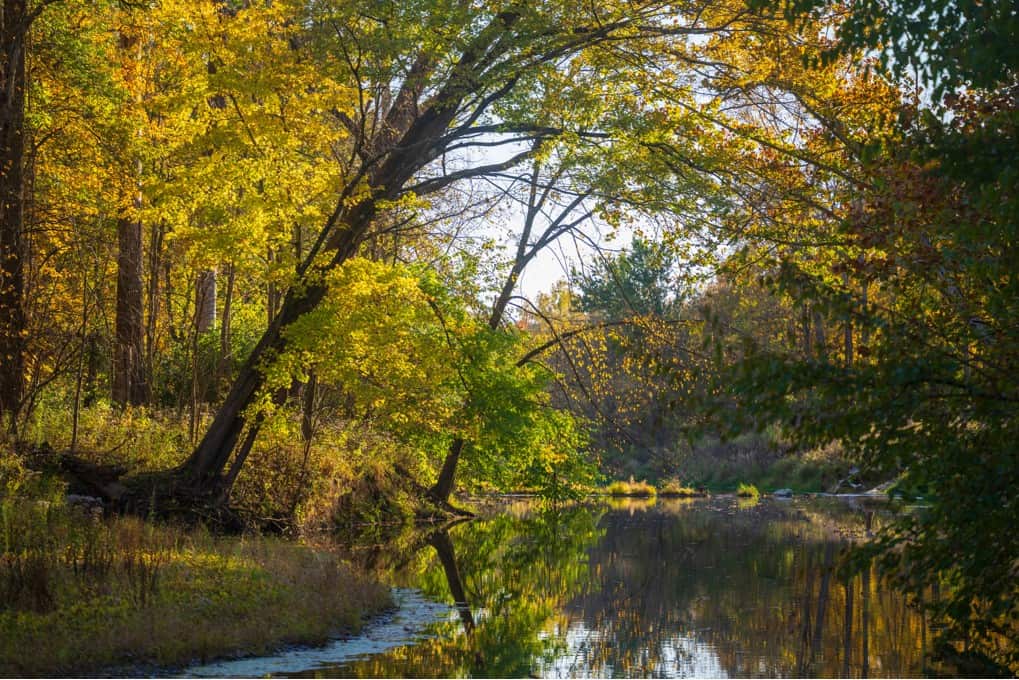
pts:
[79, 592]
[631, 488]
[676, 489]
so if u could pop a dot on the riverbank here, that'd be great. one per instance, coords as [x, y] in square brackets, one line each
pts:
[81, 593]
[408, 623]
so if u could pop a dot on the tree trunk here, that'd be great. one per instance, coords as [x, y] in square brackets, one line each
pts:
[152, 317]
[80, 373]
[204, 468]
[444, 485]
[447, 476]
[205, 301]
[865, 331]
[129, 381]
[272, 300]
[130, 385]
[13, 32]
[807, 344]
[308, 407]
[411, 138]
[848, 329]
[821, 338]
[225, 338]
[209, 459]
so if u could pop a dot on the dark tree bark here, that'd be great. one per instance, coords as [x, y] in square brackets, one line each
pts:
[206, 464]
[273, 295]
[155, 267]
[847, 330]
[14, 26]
[820, 337]
[447, 475]
[130, 385]
[345, 232]
[807, 339]
[225, 328]
[865, 330]
[308, 398]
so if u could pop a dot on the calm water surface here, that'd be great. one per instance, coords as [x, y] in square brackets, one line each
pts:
[663, 589]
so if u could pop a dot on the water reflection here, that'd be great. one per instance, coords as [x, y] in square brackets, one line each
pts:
[671, 588]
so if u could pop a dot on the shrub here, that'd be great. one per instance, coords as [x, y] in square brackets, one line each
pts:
[631, 488]
[674, 487]
[747, 491]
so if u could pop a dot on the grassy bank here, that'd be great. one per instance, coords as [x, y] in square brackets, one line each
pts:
[767, 459]
[79, 592]
[767, 462]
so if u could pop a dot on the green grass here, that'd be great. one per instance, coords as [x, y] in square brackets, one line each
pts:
[631, 488]
[767, 461]
[80, 593]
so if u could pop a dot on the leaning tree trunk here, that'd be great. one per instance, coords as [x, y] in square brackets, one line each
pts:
[203, 471]
[446, 482]
[13, 31]
[205, 466]
[525, 252]
[410, 138]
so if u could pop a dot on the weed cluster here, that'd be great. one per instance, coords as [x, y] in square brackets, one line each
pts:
[674, 488]
[747, 491]
[631, 488]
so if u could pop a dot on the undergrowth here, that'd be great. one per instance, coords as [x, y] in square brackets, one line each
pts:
[345, 474]
[80, 592]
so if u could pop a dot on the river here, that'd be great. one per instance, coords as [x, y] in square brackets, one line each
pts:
[668, 588]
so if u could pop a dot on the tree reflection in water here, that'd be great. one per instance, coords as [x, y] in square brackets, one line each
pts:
[656, 589]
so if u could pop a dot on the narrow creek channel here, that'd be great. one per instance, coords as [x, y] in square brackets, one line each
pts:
[666, 588]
